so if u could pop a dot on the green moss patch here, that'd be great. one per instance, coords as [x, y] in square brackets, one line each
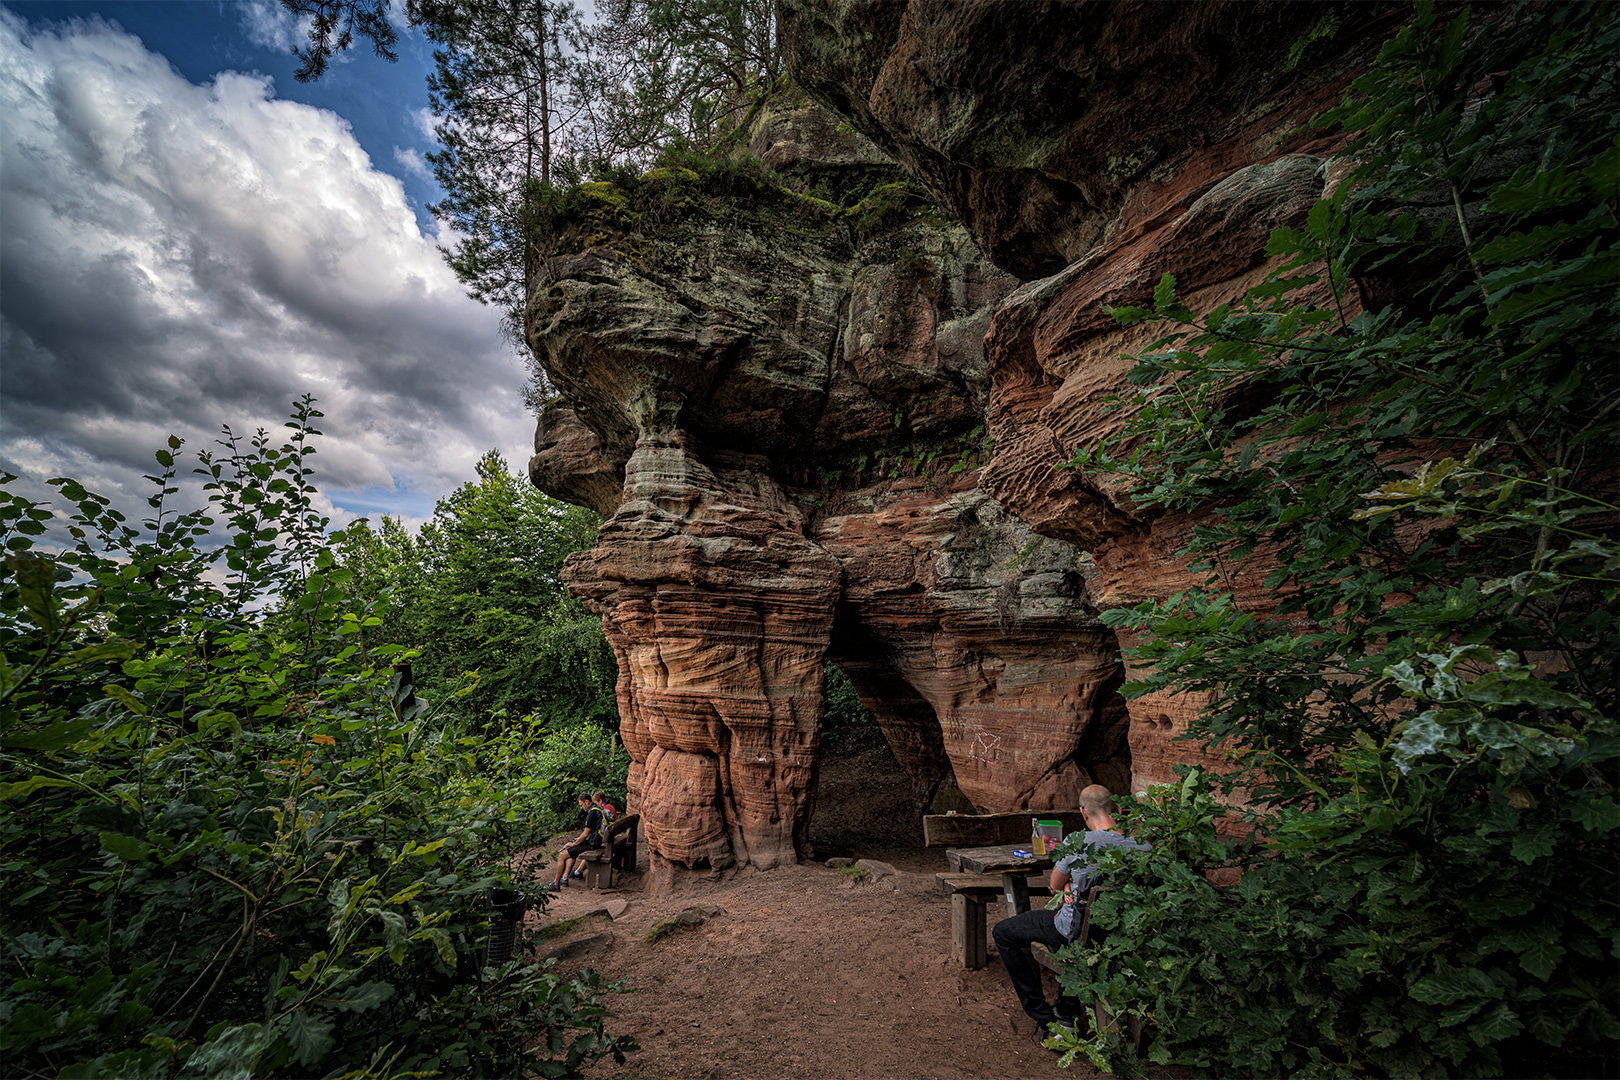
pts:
[564, 927]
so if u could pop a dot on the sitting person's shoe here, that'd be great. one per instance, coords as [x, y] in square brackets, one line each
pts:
[577, 873]
[1066, 1027]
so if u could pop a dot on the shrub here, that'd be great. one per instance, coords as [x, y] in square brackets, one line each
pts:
[1421, 721]
[573, 762]
[234, 844]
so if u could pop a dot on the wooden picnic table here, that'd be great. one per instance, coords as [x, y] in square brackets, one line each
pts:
[1002, 859]
[971, 892]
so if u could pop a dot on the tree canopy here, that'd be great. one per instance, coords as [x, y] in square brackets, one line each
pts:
[478, 590]
[529, 99]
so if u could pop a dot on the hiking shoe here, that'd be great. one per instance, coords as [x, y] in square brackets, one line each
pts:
[1051, 1030]
[577, 873]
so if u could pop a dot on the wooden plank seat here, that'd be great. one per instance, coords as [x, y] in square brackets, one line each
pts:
[617, 853]
[971, 895]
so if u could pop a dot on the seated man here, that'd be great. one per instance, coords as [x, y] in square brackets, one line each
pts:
[589, 839]
[1072, 877]
[598, 800]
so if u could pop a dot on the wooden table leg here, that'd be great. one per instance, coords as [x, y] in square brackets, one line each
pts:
[967, 932]
[1016, 888]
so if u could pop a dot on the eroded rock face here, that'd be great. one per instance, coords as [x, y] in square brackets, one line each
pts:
[1091, 150]
[780, 420]
[719, 611]
[975, 643]
[817, 438]
[1049, 126]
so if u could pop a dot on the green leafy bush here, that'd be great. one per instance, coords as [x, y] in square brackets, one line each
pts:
[1422, 721]
[573, 762]
[235, 843]
[846, 722]
[478, 590]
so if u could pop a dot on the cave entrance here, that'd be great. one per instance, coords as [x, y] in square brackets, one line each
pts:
[1105, 744]
[865, 806]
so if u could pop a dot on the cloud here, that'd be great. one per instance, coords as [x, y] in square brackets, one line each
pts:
[270, 25]
[175, 257]
[412, 162]
[425, 121]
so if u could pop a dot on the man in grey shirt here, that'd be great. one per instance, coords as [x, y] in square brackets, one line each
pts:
[1072, 877]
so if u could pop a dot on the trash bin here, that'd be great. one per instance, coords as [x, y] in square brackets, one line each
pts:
[506, 908]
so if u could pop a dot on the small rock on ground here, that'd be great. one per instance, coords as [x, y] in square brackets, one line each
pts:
[875, 871]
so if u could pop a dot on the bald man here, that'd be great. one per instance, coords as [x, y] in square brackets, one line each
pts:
[1071, 877]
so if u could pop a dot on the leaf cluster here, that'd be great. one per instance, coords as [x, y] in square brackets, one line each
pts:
[1422, 705]
[237, 842]
[1398, 930]
[478, 590]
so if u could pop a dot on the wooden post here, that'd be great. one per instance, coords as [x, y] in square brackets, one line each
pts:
[967, 931]
[1016, 889]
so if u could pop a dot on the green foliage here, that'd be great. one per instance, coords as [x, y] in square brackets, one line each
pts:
[529, 100]
[499, 94]
[333, 24]
[846, 721]
[1403, 928]
[688, 919]
[576, 761]
[478, 591]
[665, 73]
[1422, 716]
[234, 843]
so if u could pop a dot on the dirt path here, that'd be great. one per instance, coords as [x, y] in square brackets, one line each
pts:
[802, 974]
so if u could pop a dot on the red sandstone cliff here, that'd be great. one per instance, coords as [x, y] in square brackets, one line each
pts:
[816, 437]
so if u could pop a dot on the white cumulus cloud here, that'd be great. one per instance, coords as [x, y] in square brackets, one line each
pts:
[175, 256]
[271, 25]
[412, 162]
[425, 121]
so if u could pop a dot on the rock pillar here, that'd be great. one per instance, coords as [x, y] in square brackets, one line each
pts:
[719, 611]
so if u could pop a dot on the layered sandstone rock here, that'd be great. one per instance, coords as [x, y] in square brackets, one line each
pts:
[821, 434]
[779, 415]
[975, 643]
[719, 611]
[1105, 146]
[1050, 126]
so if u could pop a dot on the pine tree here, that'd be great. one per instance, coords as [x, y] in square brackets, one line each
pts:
[500, 94]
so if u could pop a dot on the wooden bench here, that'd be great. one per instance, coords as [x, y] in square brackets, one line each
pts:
[971, 895]
[987, 830]
[618, 852]
[1100, 1010]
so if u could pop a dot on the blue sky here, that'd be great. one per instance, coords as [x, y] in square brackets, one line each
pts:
[383, 102]
[189, 237]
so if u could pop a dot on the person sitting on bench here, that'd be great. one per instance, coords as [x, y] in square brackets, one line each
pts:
[1072, 877]
[576, 868]
[589, 839]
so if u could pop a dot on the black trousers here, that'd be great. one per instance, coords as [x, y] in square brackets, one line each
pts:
[1013, 936]
[576, 850]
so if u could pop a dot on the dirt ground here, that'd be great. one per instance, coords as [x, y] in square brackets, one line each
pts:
[802, 974]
